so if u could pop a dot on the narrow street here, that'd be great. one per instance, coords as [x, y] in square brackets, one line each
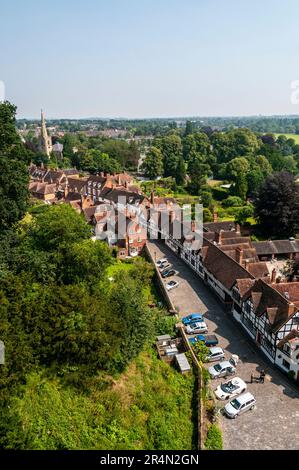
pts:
[274, 423]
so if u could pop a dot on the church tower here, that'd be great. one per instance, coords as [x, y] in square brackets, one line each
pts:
[46, 141]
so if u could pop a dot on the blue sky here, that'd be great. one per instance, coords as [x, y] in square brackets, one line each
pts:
[144, 58]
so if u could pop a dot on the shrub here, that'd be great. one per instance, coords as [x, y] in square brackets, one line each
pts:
[219, 193]
[206, 198]
[232, 201]
[207, 215]
[214, 438]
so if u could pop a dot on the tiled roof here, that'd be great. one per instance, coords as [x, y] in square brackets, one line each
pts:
[267, 300]
[258, 269]
[244, 285]
[290, 290]
[274, 247]
[223, 267]
[217, 226]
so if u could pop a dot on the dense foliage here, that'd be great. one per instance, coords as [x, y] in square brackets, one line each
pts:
[277, 205]
[14, 176]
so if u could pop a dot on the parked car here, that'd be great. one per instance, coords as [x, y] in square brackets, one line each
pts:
[209, 340]
[223, 369]
[216, 354]
[165, 266]
[169, 273]
[161, 261]
[230, 389]
[239, 405]
[172, 285]
[193, 317]
[197, 327]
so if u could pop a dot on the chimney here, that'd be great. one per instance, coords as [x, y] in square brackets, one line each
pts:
[218, 236]
[193, 226]
[238, 228]
[152, 197]
[215, 216]
[66, 190]
[239, 255]
[273, 276]
[102, 174]
[171, 216]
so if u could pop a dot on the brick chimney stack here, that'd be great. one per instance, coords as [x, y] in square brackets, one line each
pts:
[152, 197]
[239, 255]
[215, 216]
[273, 276]
[219, 237]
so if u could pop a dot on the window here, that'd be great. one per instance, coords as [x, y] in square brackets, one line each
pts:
[286, 364]
[247, 307]
[286, 349]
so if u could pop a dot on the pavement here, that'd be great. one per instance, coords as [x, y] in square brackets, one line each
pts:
[274, 423]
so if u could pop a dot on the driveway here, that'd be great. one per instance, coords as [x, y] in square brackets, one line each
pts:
[274, 423]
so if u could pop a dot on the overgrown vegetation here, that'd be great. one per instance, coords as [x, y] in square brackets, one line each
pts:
[214, 438]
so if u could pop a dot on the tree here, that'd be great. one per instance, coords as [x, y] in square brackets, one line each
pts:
[153, 163]
[171, 148]
[237, 170]
[180, 176]
[277, 205]
[14, 178]
[243, 214]
[58, 227]
[198, 171]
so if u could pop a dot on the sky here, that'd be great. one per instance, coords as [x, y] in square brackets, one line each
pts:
[149, 58]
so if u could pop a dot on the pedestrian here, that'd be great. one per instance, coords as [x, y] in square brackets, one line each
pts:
[262, 376]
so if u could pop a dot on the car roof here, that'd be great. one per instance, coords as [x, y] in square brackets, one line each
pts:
[197, 324]
[225, 364]
[215, 350]
[237, 381]
[245, 397]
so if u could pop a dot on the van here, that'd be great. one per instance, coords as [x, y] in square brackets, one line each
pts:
[239, 405]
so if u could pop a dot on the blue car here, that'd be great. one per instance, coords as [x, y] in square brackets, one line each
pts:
[209, 340]
[196, 338]
[193, 318]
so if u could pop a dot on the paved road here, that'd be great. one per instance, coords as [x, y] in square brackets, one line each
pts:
[274, 424]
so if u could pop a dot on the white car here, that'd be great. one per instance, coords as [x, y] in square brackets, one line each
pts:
[164, 266]
[216, 354]
[222, 369]
[195, 328]
[239, 405]
[161, 261]
[172, 285]
[230, 389]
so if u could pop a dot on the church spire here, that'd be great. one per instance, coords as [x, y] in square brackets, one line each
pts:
[46, 141]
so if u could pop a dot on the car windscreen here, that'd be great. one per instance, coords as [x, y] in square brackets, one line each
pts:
[236, 404]
[217, 367]
[228, 387]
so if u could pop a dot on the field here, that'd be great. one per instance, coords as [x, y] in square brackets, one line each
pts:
[290, 136]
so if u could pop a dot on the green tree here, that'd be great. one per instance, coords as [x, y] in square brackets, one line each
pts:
[180, 176]
[58, 227]
[237, 170]
[277, 205]
[153, 163]
[14, 178]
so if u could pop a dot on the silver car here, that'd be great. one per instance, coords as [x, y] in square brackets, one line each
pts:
[239, 405]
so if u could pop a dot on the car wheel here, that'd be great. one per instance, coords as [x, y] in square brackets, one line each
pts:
[243, 390]
[252, 408]
[235, 417]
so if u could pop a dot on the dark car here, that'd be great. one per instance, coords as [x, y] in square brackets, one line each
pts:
[168, 273]
[209, 340]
